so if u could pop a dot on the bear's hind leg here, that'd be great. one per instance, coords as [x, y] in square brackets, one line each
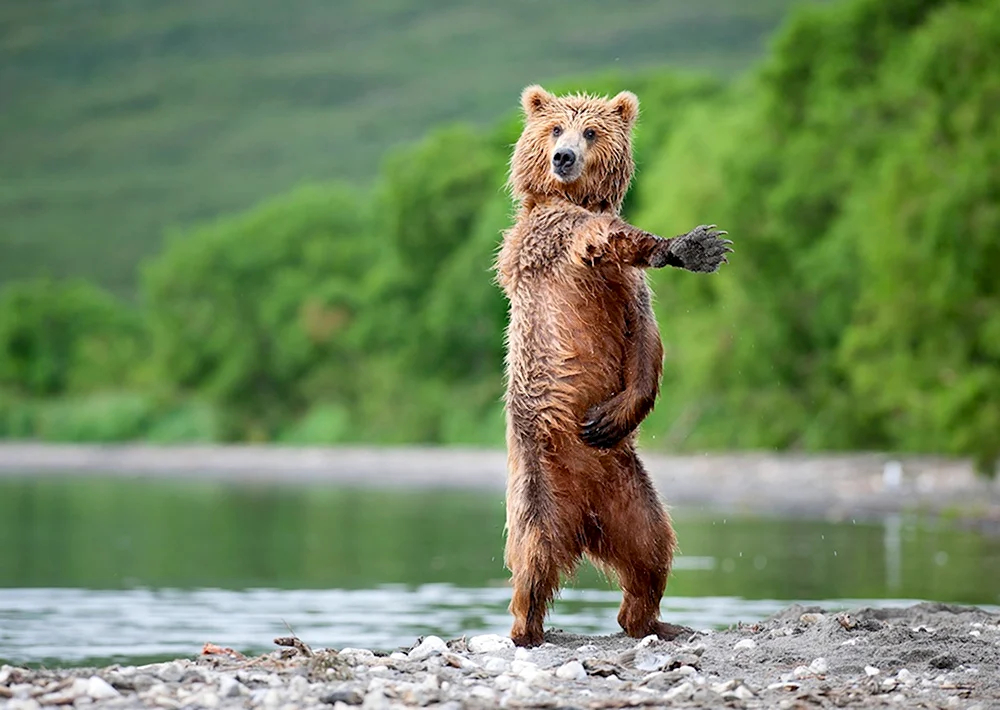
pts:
[543, 541]
[637, 541]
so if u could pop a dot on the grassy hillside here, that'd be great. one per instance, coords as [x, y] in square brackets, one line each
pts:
[120, 119]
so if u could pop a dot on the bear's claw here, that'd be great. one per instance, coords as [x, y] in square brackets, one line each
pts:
[601, 430]
[702, 249]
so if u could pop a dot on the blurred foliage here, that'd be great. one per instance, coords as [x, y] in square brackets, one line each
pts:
[126, 118]
[858, 170]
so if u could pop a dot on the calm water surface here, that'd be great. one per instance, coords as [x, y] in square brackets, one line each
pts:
[105, 570]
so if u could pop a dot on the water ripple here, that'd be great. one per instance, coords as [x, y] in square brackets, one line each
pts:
[70, 626]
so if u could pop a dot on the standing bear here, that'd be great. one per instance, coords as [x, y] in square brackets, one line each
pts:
[584, 360]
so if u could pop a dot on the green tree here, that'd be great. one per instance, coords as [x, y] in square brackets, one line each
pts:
[59, 337]
[923, 350]
[261, 314]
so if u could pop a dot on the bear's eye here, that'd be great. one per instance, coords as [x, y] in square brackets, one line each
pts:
[590, 134]
[557, 131]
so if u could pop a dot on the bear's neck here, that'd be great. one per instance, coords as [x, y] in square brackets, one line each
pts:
[587, 202]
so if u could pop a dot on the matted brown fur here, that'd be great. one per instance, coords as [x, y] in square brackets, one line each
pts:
[584, 360]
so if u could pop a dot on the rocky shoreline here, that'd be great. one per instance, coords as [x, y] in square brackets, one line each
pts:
[924, 656]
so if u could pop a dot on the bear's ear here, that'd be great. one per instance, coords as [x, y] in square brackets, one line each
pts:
[626, 105]
[534, 99]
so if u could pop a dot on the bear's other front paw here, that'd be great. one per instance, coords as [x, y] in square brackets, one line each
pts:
[702, 249]
[601, 428]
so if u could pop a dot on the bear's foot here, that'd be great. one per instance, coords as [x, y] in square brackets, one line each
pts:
[529, 638]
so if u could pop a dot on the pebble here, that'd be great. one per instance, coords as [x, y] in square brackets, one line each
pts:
[22, 704]
[811, 617]
[494, 664]
[489, 643]
[347, 696]
[430, 646]
[99, 689]
[571, 670]
[612, 672]
[680, 692]
[819, 666]
[646, 660]
[229, 687]
[170, 672]
[481, 692]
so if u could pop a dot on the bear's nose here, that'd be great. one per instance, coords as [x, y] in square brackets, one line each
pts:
[563, 159]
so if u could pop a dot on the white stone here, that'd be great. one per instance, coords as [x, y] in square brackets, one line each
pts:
[745, 644]
[229, 687]
[741, 692]
[170, 672]
[522, 654]
[687, 670]
[904, 676]
[571, 670]
[22, 704]
[206, 699]
[430, 646]
[375, 700]
[100, 689]
[646, 660]
[811, 617]
[588, 649]
[871, 671]
[495, 664]
[503, 682]
[800, 672]
[271, 698]
[647, 640]
[489, 643]
[819, 666]
[679, 692]
[527, 670]
[457, 661]
[522, 689]
[398, 656]
[298, 685]
[483, 693]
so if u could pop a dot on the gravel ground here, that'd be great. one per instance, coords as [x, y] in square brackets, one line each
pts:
[924, 656]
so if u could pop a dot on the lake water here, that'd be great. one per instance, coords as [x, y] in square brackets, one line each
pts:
[103, 570]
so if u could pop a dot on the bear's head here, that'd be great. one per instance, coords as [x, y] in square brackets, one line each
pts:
[578, 147]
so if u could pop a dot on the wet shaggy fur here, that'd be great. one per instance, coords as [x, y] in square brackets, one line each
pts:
[584, 360]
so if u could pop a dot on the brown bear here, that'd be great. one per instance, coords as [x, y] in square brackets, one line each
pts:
[584, 360]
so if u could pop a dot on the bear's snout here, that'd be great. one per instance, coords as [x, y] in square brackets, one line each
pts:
[566, 164]
[563, 160]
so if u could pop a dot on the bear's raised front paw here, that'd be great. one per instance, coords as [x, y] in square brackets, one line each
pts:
[601, 428]
[702, 249]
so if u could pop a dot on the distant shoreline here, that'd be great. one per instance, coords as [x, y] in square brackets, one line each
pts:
[832, 485]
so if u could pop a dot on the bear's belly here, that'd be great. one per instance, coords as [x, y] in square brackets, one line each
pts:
[566, 347]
